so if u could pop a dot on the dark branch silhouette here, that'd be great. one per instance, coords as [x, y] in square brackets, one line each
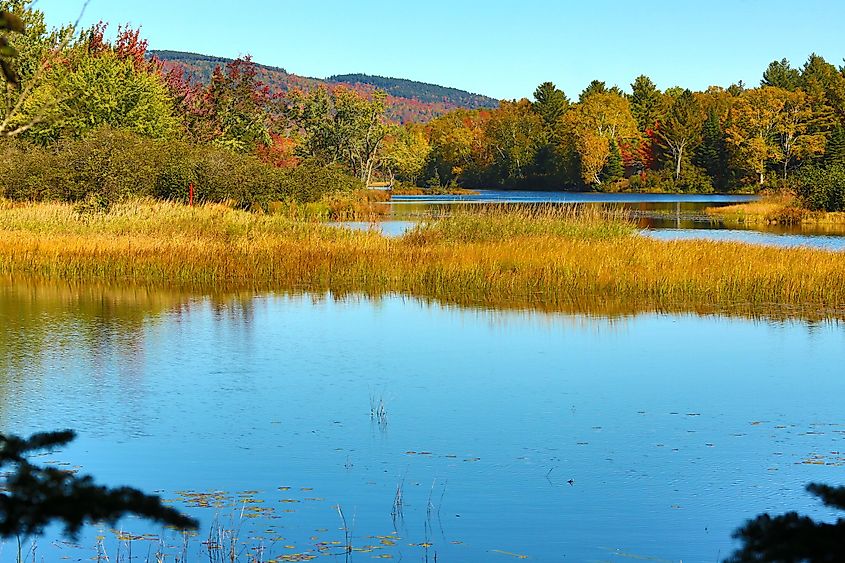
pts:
[794, 538]
[31, 497]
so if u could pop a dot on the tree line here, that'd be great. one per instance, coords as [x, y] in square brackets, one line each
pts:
[723, 139]
[73, 84]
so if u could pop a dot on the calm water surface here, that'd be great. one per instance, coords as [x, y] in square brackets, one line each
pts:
[663, 216]
[556, 437]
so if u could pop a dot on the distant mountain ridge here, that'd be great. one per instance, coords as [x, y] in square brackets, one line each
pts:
[408, 100]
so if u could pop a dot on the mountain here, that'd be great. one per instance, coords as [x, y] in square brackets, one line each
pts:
[407, 100]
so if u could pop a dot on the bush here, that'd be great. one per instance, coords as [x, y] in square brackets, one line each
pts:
[109, 165]
[822, 188]
[693, 180]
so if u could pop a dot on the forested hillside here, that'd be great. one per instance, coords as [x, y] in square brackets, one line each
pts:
[407, 101]
[421, 91]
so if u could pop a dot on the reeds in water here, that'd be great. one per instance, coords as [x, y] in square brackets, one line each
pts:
[548, 257]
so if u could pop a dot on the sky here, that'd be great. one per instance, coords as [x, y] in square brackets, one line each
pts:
[499, 48]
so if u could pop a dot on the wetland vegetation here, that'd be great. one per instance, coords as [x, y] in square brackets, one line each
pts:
[546, 256]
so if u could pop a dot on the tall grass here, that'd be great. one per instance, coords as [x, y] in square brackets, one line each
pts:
[552, 258]
[783, 209]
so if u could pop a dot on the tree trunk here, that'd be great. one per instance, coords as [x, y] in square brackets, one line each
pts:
[678, 164]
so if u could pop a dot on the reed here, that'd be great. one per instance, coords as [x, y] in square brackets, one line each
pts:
[779, 210]
[547, 257]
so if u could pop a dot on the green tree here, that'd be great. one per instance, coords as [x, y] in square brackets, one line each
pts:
[712, 152]
[9, 22]
[550, 103]
[834, 152]
[781, 75]
[613, 167]
[105, 90]
[646, 103]
[406, 151]
[340, 126]
[822, 188]
[825, 88]
[680, 132]
[32, 497]
[25, 55]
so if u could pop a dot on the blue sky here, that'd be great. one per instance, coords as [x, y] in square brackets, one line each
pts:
[502, 49]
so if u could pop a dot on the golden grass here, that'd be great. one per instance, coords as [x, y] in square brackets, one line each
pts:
[554, 258]
[782, 209]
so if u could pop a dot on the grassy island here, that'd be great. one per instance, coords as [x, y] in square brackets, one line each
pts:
[547, 257]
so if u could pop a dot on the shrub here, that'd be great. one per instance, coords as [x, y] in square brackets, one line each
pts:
[822, 188]
[109, 165]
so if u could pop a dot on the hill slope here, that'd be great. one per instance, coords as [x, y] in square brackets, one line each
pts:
[408, 101]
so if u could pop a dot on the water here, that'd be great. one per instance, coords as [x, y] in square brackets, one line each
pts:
[514, 196]
[661, 216]
[825, 242]
[557, 437]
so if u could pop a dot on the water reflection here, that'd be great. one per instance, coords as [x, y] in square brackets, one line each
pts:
[510, 432]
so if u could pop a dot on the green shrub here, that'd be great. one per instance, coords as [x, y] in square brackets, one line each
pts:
[109, 165]
[822, 188]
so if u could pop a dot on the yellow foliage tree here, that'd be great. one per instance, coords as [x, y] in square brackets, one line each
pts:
[590, 125]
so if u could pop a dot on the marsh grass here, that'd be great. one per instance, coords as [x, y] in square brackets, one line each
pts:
[554, 258]
[781, 209]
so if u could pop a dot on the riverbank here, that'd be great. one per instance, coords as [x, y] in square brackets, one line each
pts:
[549, 258]
[779, 210]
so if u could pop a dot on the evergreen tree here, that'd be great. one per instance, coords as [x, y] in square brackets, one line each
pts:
[781, 75]
[835, 148]
[550, 102]
[613, 168]
[712, 153]
[645, 103]
[594, 87]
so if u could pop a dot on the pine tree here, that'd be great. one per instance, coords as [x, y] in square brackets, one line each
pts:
[613, 169]
[835, 149]
[712, 153]
[645, 103]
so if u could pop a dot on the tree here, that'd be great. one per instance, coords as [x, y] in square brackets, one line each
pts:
[598, 87]
[588, 128]
[680, 132]
[792, 538]
[32, 497]
[712, 152]
[825, 88]
[781, 75]
[514, 134]
[550, 103]
[239, 106]
[26, 53]
[613, 168]
[794, 131]
[458, 148]
[822, 188]
[834, 152]
[339, 126]
[755, 119]
[646, 103]
[105, 90]
[406, 150]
